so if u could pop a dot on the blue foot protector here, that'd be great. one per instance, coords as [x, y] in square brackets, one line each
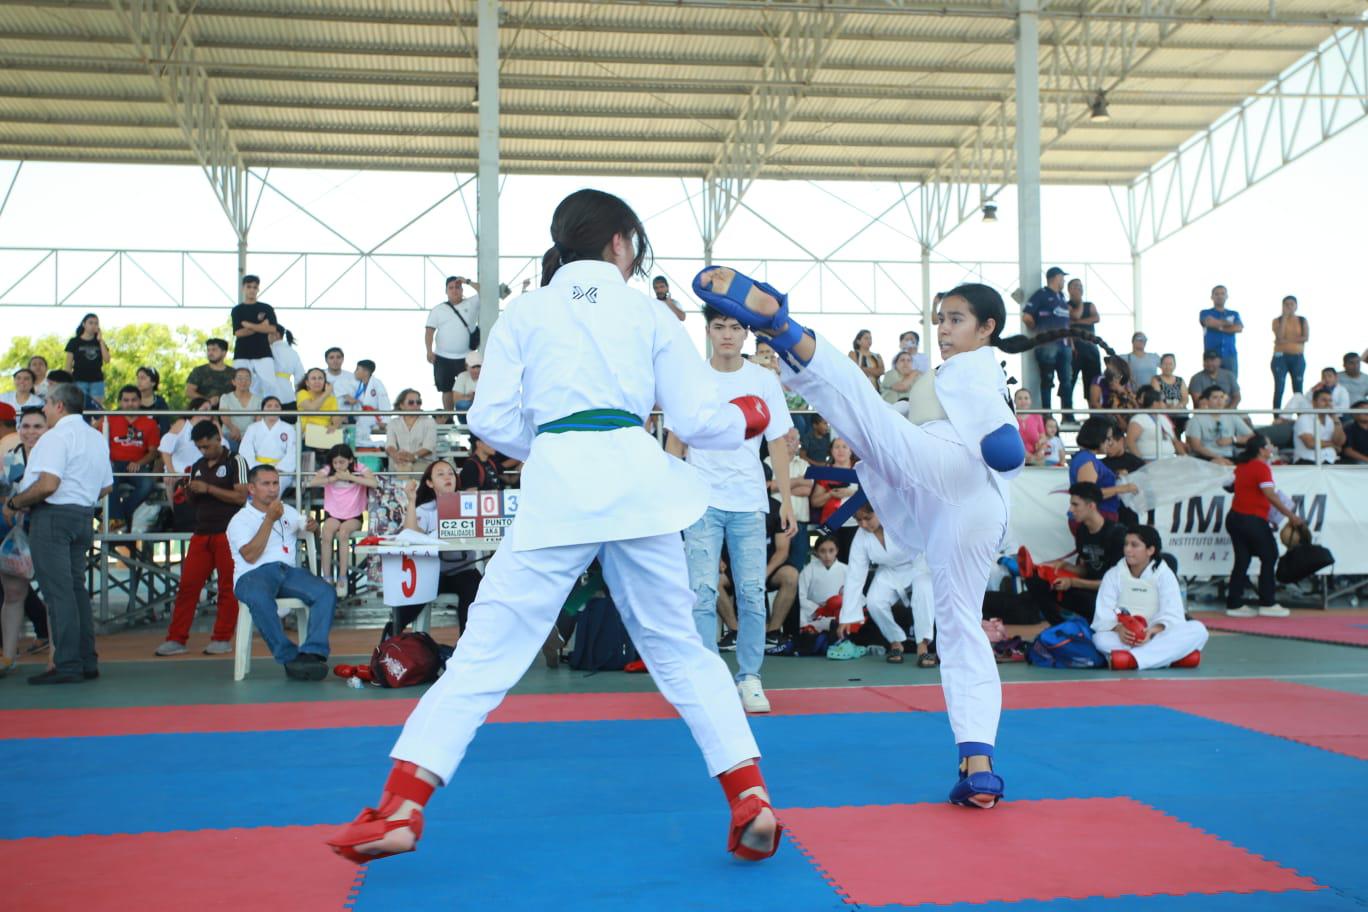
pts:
[1003, 449]
[983, 783]
[733, 304]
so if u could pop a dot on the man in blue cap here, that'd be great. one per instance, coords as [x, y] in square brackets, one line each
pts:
[1048, 311]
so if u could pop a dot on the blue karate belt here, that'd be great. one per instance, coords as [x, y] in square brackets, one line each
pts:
[845, 477]
[591, 420]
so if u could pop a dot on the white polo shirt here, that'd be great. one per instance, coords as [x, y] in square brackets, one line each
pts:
[453, 336]
[280, 547]
[77, 454]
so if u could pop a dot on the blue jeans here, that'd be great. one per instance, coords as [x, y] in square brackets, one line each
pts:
[258, 589]
[95, 389]
[1231, 362]
[1055, 359]
[745, 537]
[139, 487]
[1283, 365]
[462, 405]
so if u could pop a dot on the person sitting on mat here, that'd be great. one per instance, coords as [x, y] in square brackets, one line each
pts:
[1140, 621]
[893, 575]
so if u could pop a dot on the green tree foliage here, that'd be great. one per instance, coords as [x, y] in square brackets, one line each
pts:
[173, 352]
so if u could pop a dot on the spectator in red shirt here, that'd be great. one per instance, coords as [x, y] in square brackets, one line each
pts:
[1250, 533]
[217, 491]
[133, 446]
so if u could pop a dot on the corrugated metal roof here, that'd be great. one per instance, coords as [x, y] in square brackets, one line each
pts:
[642, 87]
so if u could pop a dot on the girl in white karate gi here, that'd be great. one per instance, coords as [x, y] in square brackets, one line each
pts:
[569, 373]
[937, 480]
[894, 576]
[820, 581]
[1143, 586]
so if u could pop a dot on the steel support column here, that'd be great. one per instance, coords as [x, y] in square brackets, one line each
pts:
[1137, 307]
[927, 325]
[487, 181]
[1028, 160]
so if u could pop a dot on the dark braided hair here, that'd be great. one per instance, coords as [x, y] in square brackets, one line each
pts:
[987, 304]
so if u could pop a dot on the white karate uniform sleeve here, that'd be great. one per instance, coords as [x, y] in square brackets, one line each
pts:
[248, 448]
[807, 607]
[287, 463]
[688, 396]
[857, 570]
[1108, 595]
[1170, 598]
[497, 416]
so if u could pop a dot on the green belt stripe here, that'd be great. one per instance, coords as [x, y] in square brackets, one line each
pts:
[591, 420]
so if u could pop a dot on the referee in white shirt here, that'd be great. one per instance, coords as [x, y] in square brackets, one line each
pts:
[68, 473]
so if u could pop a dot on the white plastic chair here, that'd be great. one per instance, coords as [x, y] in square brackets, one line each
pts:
[242, 646]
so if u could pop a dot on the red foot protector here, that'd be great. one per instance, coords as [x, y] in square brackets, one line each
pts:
[231, 870]
[1060, 849]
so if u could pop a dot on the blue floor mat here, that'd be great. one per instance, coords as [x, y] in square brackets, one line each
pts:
[621, 815]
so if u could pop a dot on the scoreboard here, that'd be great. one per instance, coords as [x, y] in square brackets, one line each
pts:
[476, 514]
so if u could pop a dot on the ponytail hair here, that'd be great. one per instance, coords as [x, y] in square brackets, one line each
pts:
[1019, 343]
[584, 224]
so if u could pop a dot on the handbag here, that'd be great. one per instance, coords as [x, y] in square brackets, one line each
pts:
[474, 333]
[16, 559]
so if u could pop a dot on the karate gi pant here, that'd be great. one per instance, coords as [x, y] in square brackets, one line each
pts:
[888, 587]
[960, 517]
[519, 599]
[1162, 651]
[923, 601]
[263, 374]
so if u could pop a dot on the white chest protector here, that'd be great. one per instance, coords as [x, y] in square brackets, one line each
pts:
[1138, 596]
[922, 404]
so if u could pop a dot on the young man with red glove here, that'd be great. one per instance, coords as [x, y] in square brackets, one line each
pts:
[738, 503]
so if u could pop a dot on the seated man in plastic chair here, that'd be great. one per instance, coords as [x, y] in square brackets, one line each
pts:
[264, 538]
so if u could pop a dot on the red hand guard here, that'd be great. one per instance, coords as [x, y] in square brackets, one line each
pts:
[756, 412]
[1134, 623]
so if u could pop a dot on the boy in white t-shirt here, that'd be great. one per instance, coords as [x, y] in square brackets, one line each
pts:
[263, 538]
[737, 507]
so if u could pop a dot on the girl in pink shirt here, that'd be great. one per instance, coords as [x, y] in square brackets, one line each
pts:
[1032, 427]
[346, 485]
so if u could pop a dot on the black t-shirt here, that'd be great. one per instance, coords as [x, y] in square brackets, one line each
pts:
[1356, 438]
[88, 364]
[256, 345]
[211, 514]
[483, 476]
[1099, 552]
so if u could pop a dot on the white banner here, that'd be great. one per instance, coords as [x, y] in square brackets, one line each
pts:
[1333, 500]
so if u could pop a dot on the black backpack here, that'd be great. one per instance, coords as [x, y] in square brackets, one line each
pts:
[601, 641]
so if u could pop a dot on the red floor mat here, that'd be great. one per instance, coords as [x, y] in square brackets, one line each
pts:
[1345, 630]
[231, 870]
[1059, 849]
[1329, 719]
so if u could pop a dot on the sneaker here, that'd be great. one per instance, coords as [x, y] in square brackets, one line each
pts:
[1273, 611]
[341, 588]
[845, 650]
[771, 638]
[728, 642]
[218, 648]
[171, 648]
[785, 647]
[307, 667]
[1245, 612]
[753, 698]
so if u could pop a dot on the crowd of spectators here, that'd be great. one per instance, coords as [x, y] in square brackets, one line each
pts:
[257, 406]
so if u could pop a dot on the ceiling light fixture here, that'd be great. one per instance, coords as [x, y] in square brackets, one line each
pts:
[990, 212]
[1098, 109]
